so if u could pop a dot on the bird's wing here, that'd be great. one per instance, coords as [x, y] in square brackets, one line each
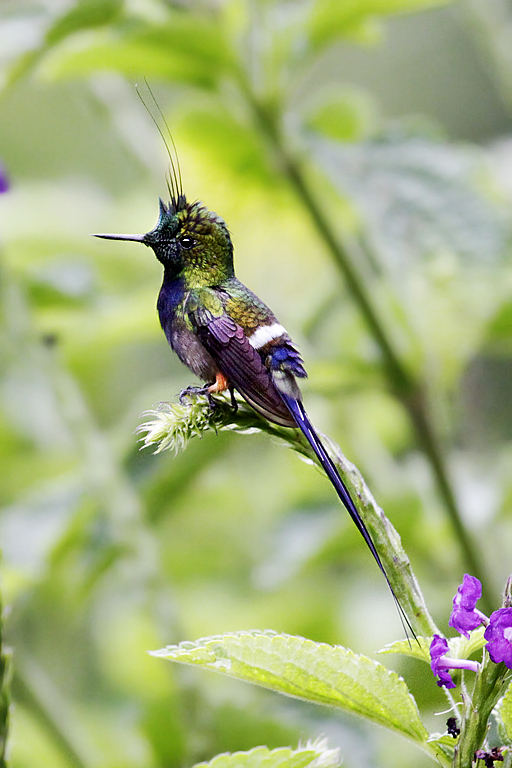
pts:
[242, 365]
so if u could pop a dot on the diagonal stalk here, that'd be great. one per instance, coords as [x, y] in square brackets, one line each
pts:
[172, 426]
[490, 685]
[42, 703]
[406, 387]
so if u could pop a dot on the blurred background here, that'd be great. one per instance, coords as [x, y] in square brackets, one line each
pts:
[361, 155]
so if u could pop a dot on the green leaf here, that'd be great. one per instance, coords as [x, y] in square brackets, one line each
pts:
[417, 197]
[313, 755]
[229, 144]
[330, 675]
[498, 332]
[462, 647]
[332, 19]
[445, 740]
[131, 59]
[188, 49]
[347, 114]
[86, 14]
[443, 745]
[61, 281]
[416, 650]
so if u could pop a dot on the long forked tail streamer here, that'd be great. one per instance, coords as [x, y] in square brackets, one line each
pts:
[304, 424]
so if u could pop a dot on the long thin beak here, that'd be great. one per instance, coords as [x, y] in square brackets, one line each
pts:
[136, 238]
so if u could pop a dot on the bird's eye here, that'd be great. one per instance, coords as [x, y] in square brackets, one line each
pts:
[187, 242]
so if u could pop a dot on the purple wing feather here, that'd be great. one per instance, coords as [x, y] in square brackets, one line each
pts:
[243, 366]
[222, 328]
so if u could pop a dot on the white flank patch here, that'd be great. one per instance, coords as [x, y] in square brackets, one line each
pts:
[264, 334]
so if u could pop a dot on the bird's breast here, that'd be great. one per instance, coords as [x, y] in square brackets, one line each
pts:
[179, 333]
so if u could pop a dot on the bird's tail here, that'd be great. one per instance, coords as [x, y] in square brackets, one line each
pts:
[299, 414]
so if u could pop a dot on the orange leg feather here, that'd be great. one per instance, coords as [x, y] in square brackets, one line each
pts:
[221, 384]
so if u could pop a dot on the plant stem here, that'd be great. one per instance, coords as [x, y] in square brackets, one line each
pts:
[404, 385]
[490, 23]
[489, 686]
[45, 705]
[169, 425]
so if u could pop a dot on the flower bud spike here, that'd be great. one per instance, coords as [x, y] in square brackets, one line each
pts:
[507, 594]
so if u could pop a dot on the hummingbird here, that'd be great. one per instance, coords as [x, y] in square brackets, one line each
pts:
[225, 334]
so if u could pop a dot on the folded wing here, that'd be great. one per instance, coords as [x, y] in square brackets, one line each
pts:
[242, 365]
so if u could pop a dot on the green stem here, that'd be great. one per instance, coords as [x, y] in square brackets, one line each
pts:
[50, 713]
[490, 23]
[489, 686]
[171, 423]
[428, 440]
[389, 546]
[403, 384]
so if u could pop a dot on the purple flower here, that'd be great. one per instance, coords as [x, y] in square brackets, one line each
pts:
[465, 616]
[499, 636]
[438, 651]
[489, 758]
[4, 183]
[440, 662]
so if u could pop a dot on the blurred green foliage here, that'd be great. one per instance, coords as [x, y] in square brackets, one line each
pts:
[109, 552]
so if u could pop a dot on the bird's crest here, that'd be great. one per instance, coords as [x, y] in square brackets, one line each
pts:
[195, 217]
[177, 199]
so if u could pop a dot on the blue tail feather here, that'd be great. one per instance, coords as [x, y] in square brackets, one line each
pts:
[299, 414]
[303, 422]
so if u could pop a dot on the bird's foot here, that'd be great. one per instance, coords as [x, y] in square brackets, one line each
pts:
[191, 392]
[220, 384]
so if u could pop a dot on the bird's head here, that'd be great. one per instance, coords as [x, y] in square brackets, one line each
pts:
[190, 241]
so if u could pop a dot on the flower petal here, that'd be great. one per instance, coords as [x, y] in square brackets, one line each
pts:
[464, 616]
[499, 636]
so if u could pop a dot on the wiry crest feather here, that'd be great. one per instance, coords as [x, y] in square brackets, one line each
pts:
[177, 199]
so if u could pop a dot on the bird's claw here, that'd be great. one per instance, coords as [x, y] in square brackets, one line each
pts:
[191, 392]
